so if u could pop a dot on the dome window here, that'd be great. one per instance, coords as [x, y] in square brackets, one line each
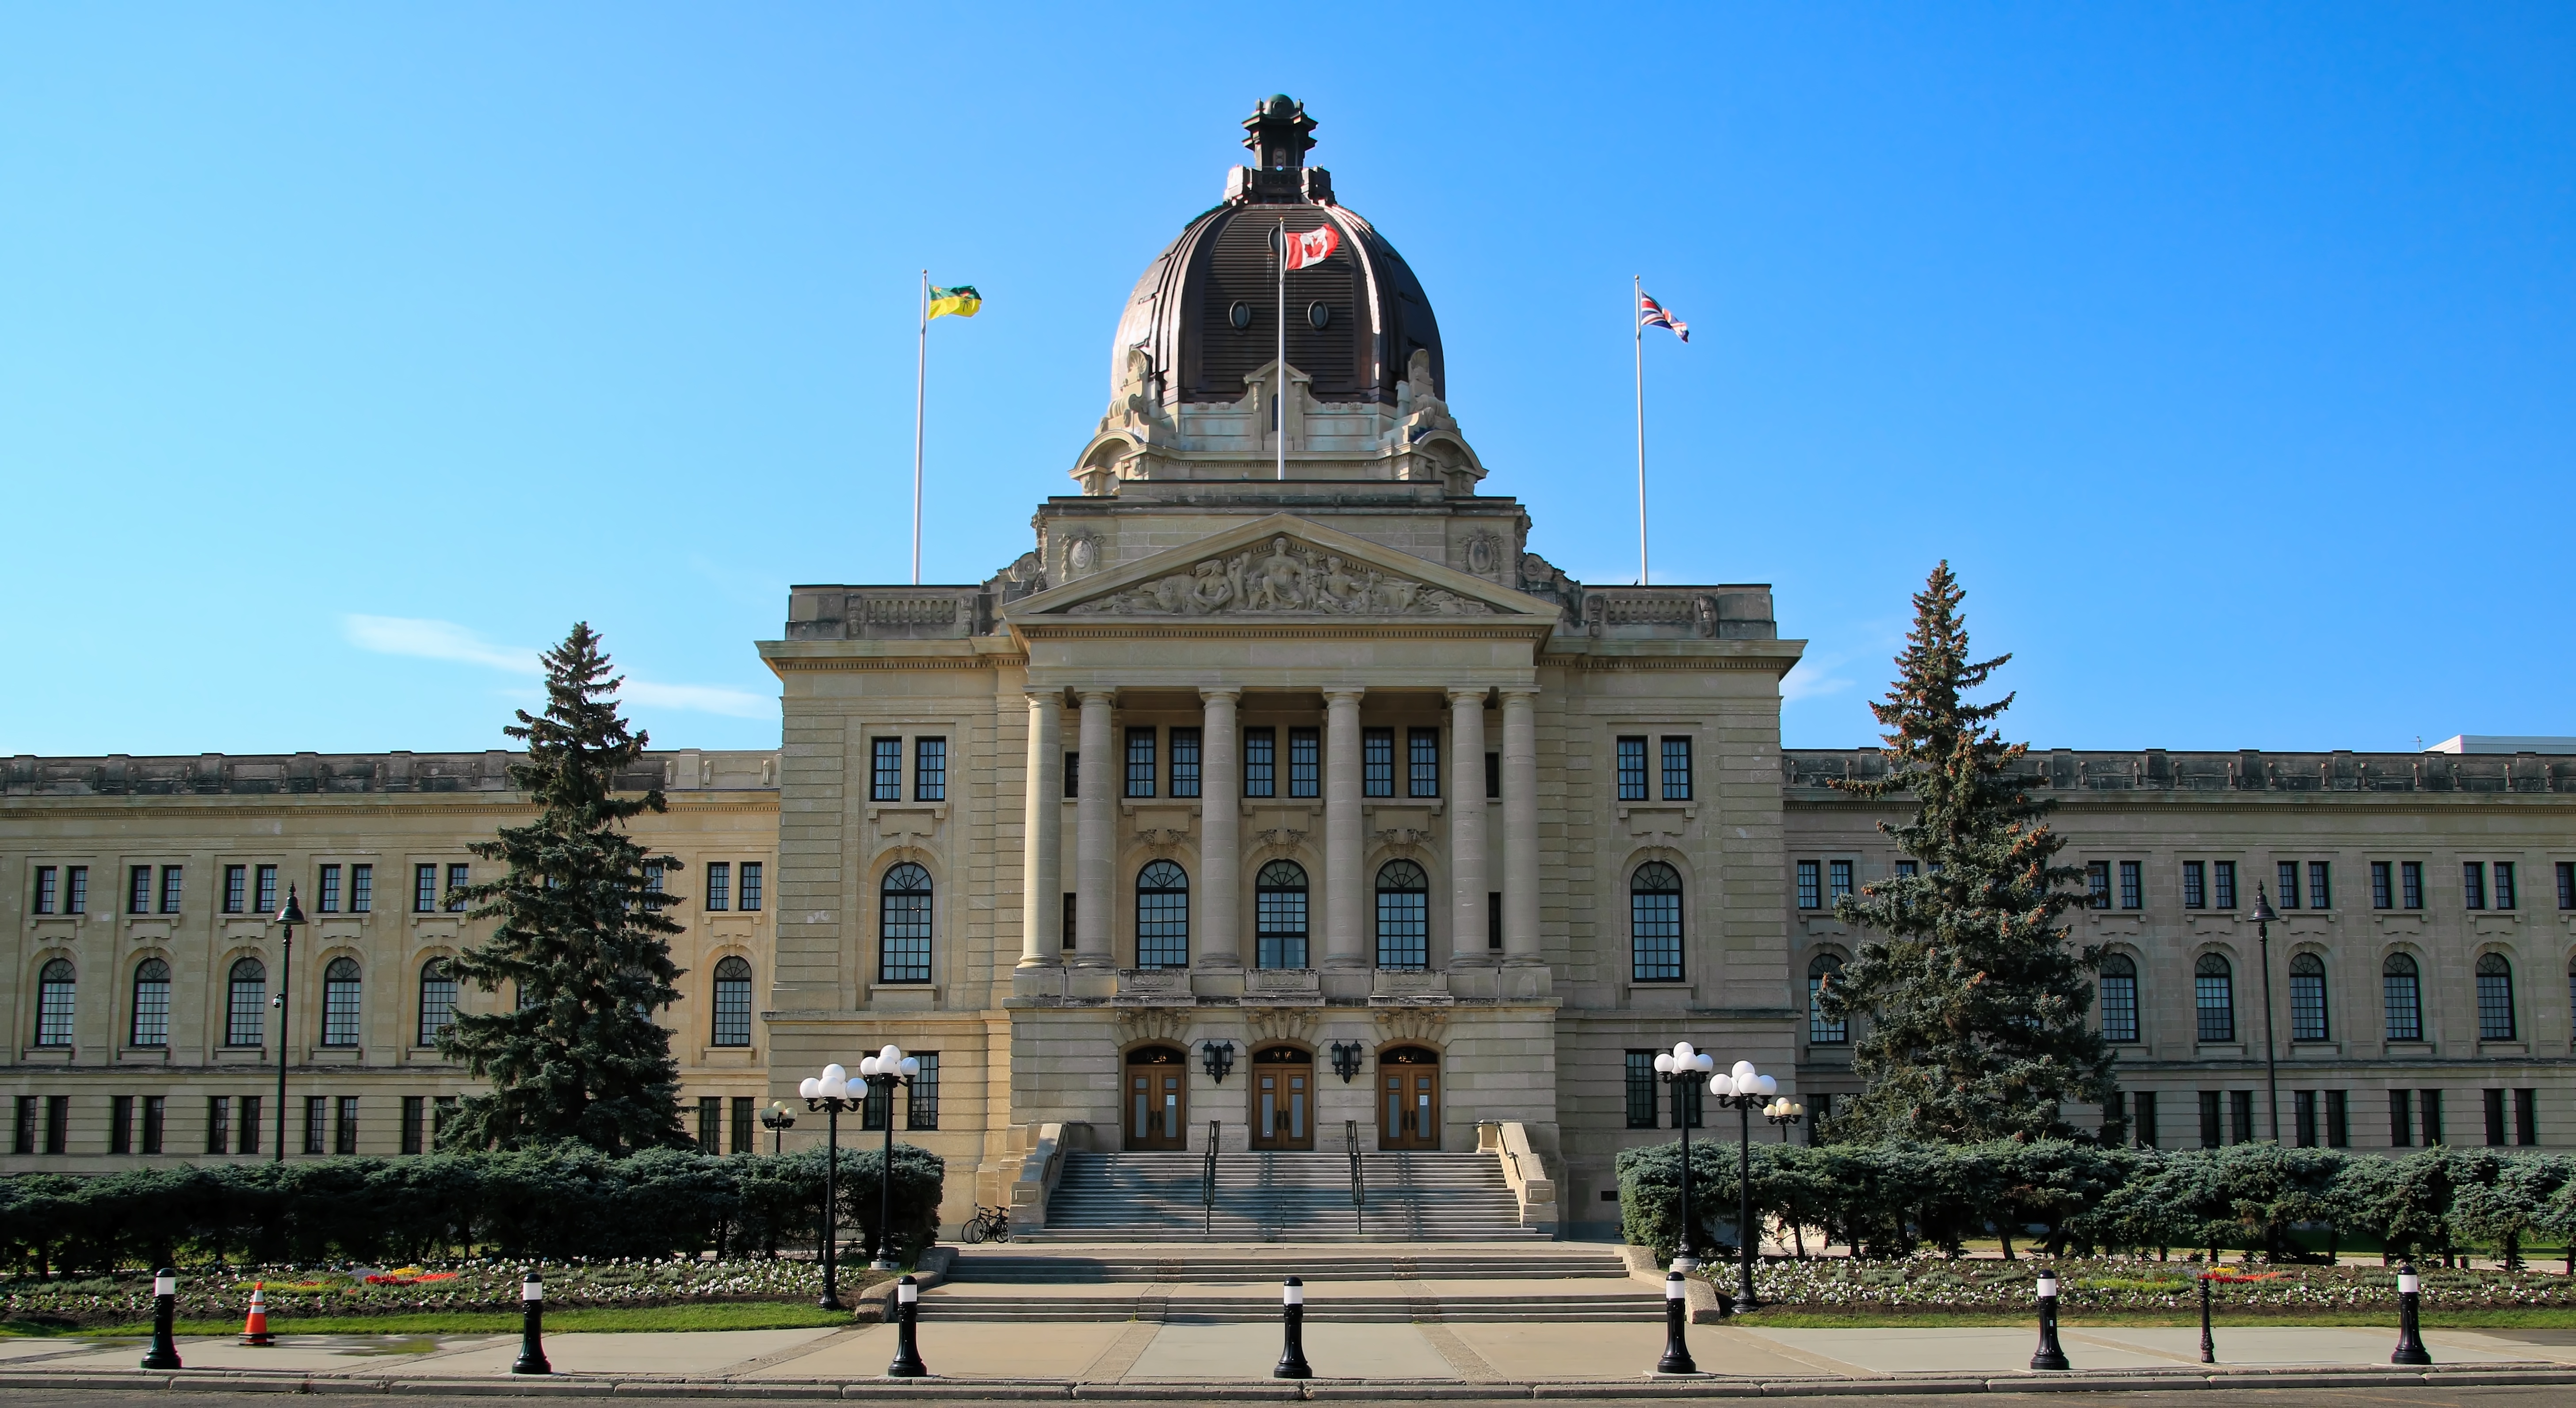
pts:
[1318, 316]
[1240, 315]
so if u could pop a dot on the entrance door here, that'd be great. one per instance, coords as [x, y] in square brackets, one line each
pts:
[1283, 1098]
[1408, 1080]
[1157, 1098]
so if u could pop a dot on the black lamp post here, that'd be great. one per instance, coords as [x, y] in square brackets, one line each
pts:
[1784, 1112]
[1743, 1090]
[778, 1119]
[2263, 916]
[830, 1092]
[1681, 1069]
[883, 1072]
[287, 918]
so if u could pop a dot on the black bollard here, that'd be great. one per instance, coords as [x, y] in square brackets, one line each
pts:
[907, 1351]
[165, 1311]
[532, 1327]
[2410, 1345]
[2208, 1347]
[1292, 1311]
[2050, 1355]
[1677, 1356]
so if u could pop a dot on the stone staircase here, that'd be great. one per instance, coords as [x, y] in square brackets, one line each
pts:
[1282, 1197]
[1541, 1281]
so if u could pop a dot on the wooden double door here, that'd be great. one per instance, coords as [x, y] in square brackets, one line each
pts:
[1158, 1098]
[1408, 1081]
[1283, 1098]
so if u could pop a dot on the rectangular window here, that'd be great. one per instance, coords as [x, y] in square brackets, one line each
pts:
[2119, 1006]
[1073, 776]
[458, 877]
[1632, 769]
[265, 886]
[1641, 1090]
[744, 1141]
[2211, 1135]
[45, 881]
[2338, 1120]
[2222, 884]
[2495, 1115]
[2383, 886]
[2240, 1115]
[2320, 884]
[921, 1098]
[1690, 1103]
[317, 1122]
[2401, 1119]
[1261, 762]
[23, 1137]
[1494, 921]
[2526, 1117]
[2473, 884]
[76, 890]
[2287, 873]
[2132, 889]
[344, 1129]
[1067, 943]
[2410, 884]
[58, 1121]
[2097, 884]
[1838, 880]
[1185, 762]
[710, 1123]
[1305, 763]
[1677, 768]
[2504, 896]
[1422, 762]
[2303, 1118]
[120, 1124]
[1904, 867]
[2430, 1102]
[930, 769]
[424, 889]
[156, 1110]
[1377, 762]
[327, 893]
[236, 889]
[219, 1124]
[1494, 793]
[138, 889]
[752, 878]
[885, 776]
[250, 1125]
[2566, 883]
[2142, 1123]
[719, 885]
[2195, 885]
[362, 888]
[1140, 762]
[415, 1119]
[877, 1108]
[1811, 894]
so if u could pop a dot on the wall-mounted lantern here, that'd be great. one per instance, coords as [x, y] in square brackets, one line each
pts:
[1346, 1060]
[1218, 1058]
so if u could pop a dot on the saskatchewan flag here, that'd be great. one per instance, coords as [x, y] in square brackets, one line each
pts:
[962, 300]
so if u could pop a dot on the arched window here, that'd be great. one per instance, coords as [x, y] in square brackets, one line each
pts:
[2119, 998]
[340, 1004]
[1162, 916]
[151, 1025]
[437, 1000]
[246, 1004]
[2495, 998]
[2402, 993]
[1655, 923]
[2307, 998]
[733, 1002]
[1279, 915]
[903, 925]
[1403, 916]
[54, 1003]
[2214, 989]
[1823, 1030]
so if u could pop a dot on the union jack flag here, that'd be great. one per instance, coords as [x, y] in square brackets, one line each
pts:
[1651, 314]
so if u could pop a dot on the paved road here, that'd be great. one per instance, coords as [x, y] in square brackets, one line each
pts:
[2551, 1396]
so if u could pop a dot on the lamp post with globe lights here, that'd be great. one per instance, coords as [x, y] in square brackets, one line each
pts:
[1681, 1068]
[1744, 1090]
[779, 1118]
[830, 1092]
[883, 1072]
[1784, 1112]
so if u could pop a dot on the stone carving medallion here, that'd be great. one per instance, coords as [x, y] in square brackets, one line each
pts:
[1289, 580]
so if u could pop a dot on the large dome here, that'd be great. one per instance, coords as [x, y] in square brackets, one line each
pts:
[1206, 312]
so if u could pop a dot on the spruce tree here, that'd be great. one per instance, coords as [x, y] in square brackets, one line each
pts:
[581, 943]
[1975, 1001]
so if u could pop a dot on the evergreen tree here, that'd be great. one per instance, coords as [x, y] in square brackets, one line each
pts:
[580, 945]
[1976, 1002]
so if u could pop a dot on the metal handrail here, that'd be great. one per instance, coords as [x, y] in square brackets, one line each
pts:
[1207, 1181]
[1359, 1181]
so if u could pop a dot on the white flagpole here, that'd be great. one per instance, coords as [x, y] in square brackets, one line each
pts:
[1279, 399]
[920, 383]
[1637, 320]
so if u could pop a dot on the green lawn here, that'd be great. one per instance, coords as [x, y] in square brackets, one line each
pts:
[606, 1319]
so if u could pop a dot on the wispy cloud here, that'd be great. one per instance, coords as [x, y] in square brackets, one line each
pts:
[424, 639]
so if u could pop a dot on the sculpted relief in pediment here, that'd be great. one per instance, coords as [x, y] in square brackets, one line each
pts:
[1288, 579]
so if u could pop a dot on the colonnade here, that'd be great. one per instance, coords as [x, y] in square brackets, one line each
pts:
[1217, 939]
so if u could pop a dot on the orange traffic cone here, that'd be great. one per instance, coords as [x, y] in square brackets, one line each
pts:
[255, 1329]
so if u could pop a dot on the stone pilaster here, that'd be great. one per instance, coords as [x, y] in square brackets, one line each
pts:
[1520, 826]
[1344, 886]
[1467, 826]
[1220, 939]
[1095, 837]
[1041, 843]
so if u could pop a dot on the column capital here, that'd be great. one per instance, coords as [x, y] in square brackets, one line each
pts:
[1211, 693]
[1475, 696]
[1524, 692]
[1340, 693]
[1045, 696]
[1105, 696]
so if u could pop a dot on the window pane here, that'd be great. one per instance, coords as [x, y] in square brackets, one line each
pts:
[1162, 916]
[1185, 762]
[733, 1003]
[2222, 875]
[362, 889]
[2383, 891]
[2119, 988]
[54, 1004]
[1824, 1030]
[1279, 915]
[424, 889]
[1377, 762]
[2495, 999]
[751, 880]
[2287, 890]
[885, 783]
[1677, 769]
[1260, 762]
[236, 879]
[1632, 769]
[1641, 1089]
[2307, 998]
[903, 926]
[921, 1097]
[1140, 762]
[2504, 884]
[2473, 884]
[2097, 884]
[1655, 923]
[1838, 880]
[2320, 885]
[1403, 916]
[2195, 885]
[2215, 994]
[719, 885]
[2410, 875]
[437, 1002]
[1422, 759]
[2401, 996]
[2132, 886]
[1305, 750]
[151, 1003]
[340, 1003]
[458, 877]
[930, 769]
[1811, 893]
[246, 1011]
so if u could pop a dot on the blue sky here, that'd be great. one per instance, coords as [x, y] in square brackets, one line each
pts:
[350, 353]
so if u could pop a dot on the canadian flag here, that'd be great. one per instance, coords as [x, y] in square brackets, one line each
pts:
[1314, 246]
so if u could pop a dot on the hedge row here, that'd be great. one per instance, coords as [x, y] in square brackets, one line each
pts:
[1890, 1199]
[562, 1203]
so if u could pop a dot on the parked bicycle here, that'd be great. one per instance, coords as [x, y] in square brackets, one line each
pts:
[989, 1225]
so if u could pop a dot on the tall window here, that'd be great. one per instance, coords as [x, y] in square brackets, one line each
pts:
[1073, 775]
[362, 889]
[2504, 896]
[1641, 1090]
[2401, 994]
[1305, 763]
[1677, 768]
[2214, 992]
[719, 884]
[1838, 880]
[424, 889]
[2119, 998]
[1140, 762]
[2320, 885]
[138, 889]
[1655, 923]
[2287, 872]
[246, 1004]
[2495, 998]
[2097, 884]
[340, 1004]
[1279, 915]
[45, 888]
[733, 1002]
[1823, 1030]
[2132, 886]
[437, 1001]
[2195, 885]
[2307, 998]
[885, 771]
[2222, 884]
[2410, 883]
[76, 890]
[236, 889]
[344, 1130]
[1632, 769]
[2401, 1118]
[930, 769]
[751, 877]
[1162, 916]
[2383, 888]
[1811, 885]
[2567, 884]
[903, 925]
[1422, 763]
[458, 877]
[151, 1026]
[1261, 762]
[1185, 762]
[1377, 762]
[1403, 916]
[173, 884]
[2473, 884]
[265, 886]
[327, 893]
[921, 1098]
[54, 1006]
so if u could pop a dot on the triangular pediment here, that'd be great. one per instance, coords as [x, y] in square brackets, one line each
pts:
[1281, 568]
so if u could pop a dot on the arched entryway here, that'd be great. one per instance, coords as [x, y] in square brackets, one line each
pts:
[1408, 1082]
[1158, 1098]
[1283, 1098]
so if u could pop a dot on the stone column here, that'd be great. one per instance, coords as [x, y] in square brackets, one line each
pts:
[1520, 826]
[1467, 826]
[1219, 883]
[1096, 841]
[1345, 935]
[1041, 841]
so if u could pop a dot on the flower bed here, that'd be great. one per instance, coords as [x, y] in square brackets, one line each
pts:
[1935, 1283]
[487, 1285]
